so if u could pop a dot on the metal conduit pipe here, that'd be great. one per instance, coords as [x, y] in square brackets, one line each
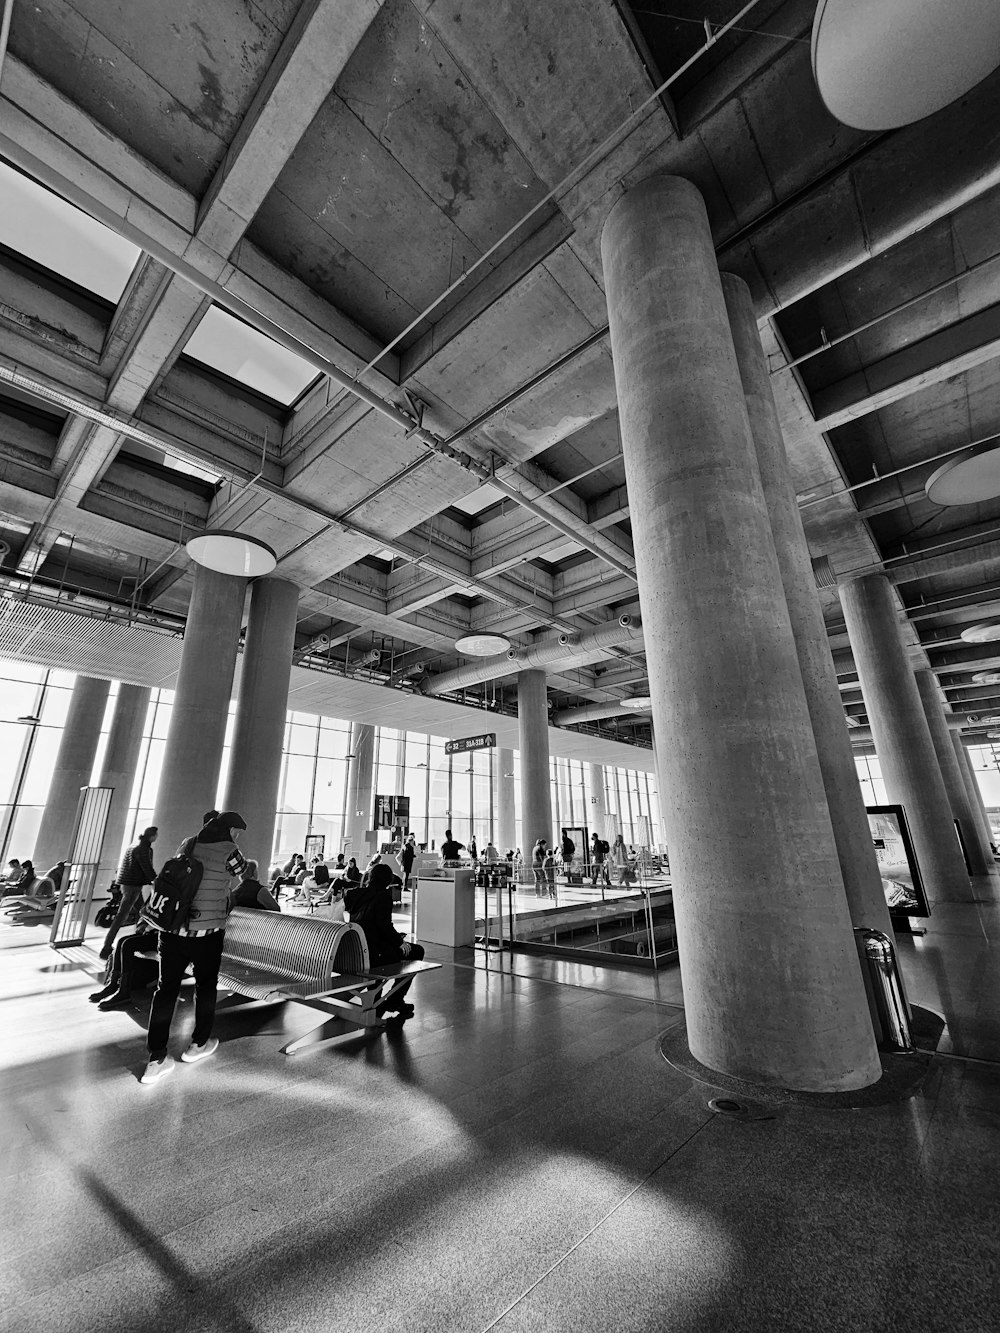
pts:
[920, 566]
[594, 712]
[539, 655]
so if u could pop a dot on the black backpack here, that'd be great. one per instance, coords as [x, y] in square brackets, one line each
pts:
[605, 848]
[173, 892]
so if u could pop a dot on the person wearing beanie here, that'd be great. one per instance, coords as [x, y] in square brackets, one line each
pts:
[198, 942]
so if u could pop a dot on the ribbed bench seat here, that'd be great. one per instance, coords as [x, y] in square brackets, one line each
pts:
[323, 964]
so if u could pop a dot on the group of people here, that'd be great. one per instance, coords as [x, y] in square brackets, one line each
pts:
[28, 891]
[602, 856]
[227, 880]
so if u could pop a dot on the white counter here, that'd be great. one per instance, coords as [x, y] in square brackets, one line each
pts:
[446, 909]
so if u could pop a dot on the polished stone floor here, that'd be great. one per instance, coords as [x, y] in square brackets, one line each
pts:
[519, 1157]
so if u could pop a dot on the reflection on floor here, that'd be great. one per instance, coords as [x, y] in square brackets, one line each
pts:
[518, 1157]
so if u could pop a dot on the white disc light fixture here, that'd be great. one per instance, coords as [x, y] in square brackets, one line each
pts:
[986, 678]
[879, 64]
[482, 645]
[984, 633]
[969, 479]
[232, 553]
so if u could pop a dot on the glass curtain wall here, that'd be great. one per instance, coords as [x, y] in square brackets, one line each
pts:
[446, 791]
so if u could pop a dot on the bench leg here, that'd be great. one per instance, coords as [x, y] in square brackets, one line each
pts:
[334, 1029]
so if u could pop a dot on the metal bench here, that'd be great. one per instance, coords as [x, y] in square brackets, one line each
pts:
[322, 964]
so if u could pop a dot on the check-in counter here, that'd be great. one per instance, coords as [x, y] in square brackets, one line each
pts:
[446, 907]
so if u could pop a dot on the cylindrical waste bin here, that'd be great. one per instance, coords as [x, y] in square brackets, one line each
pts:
[887, 985]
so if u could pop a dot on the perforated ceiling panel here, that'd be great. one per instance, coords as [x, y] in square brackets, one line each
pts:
[91, 645]
[143, 655]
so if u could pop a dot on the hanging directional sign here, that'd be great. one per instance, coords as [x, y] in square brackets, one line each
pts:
[486, 742]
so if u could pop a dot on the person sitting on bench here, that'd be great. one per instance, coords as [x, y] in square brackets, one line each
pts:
[370, 907]
[251, 893]
[132, 964]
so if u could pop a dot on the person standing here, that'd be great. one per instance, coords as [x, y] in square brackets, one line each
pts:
[135, 871]
[406, 858]
[538, 868]
[567, 850]
[198, 942]
[450, 849]
[620, 857]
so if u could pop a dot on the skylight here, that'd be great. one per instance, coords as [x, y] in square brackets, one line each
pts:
[479, 499]
[235, 349]
[42, 227]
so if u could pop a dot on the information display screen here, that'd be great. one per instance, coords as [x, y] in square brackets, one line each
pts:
[897, 861]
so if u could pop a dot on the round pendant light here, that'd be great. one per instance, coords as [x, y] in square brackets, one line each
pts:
[232, 553]
[482, 645]
[984, 633]
[968, 479]
[879, 64]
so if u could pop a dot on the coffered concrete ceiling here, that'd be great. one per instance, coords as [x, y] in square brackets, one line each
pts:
[408, 196]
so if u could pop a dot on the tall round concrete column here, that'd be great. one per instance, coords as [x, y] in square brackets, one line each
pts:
[192, 757]
[973, 788]
[71, 771]
[259, 734]
[118, 771]
[598, 801]
[533, 735]
[506, 816]
[976, 850]
[902, 738]
[772, 982]
[360, 792]
[855, 851]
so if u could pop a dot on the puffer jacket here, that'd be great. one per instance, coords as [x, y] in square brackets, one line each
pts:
[212, 847]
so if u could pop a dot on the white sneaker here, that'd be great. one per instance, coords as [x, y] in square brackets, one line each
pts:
[157, 1069]
[194, 1052]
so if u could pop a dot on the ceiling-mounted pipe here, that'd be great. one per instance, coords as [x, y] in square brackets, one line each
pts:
[546, 653]
[8, 11]
[921, 566]
[594, 712]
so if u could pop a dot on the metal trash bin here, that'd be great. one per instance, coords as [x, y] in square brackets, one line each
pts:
[887, 985]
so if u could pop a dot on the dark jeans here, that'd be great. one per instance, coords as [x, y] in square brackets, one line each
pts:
[204, 953]
[125, 970]
[130, 894]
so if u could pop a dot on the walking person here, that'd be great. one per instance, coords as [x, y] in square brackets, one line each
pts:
[599, 850]
[135, 871]
[199, 942]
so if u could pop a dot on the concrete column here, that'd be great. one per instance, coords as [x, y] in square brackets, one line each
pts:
[855, 851]
[506, 816]
[902, 738]
[973, 788]
[773, 990]
[978, 852]
[72, 770]
[360, 791]
[599, 805]
[192, 757]
[533, 734]
[259, 735]
[118, 771]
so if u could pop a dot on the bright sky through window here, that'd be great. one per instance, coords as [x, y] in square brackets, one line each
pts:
[239, 351]
[43, 227]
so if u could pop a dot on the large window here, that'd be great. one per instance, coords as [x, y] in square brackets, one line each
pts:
[445, 791]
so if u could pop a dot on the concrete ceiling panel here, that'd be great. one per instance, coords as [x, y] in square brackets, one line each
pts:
[407, 90]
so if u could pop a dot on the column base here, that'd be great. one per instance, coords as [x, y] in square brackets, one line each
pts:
[902, 1075]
